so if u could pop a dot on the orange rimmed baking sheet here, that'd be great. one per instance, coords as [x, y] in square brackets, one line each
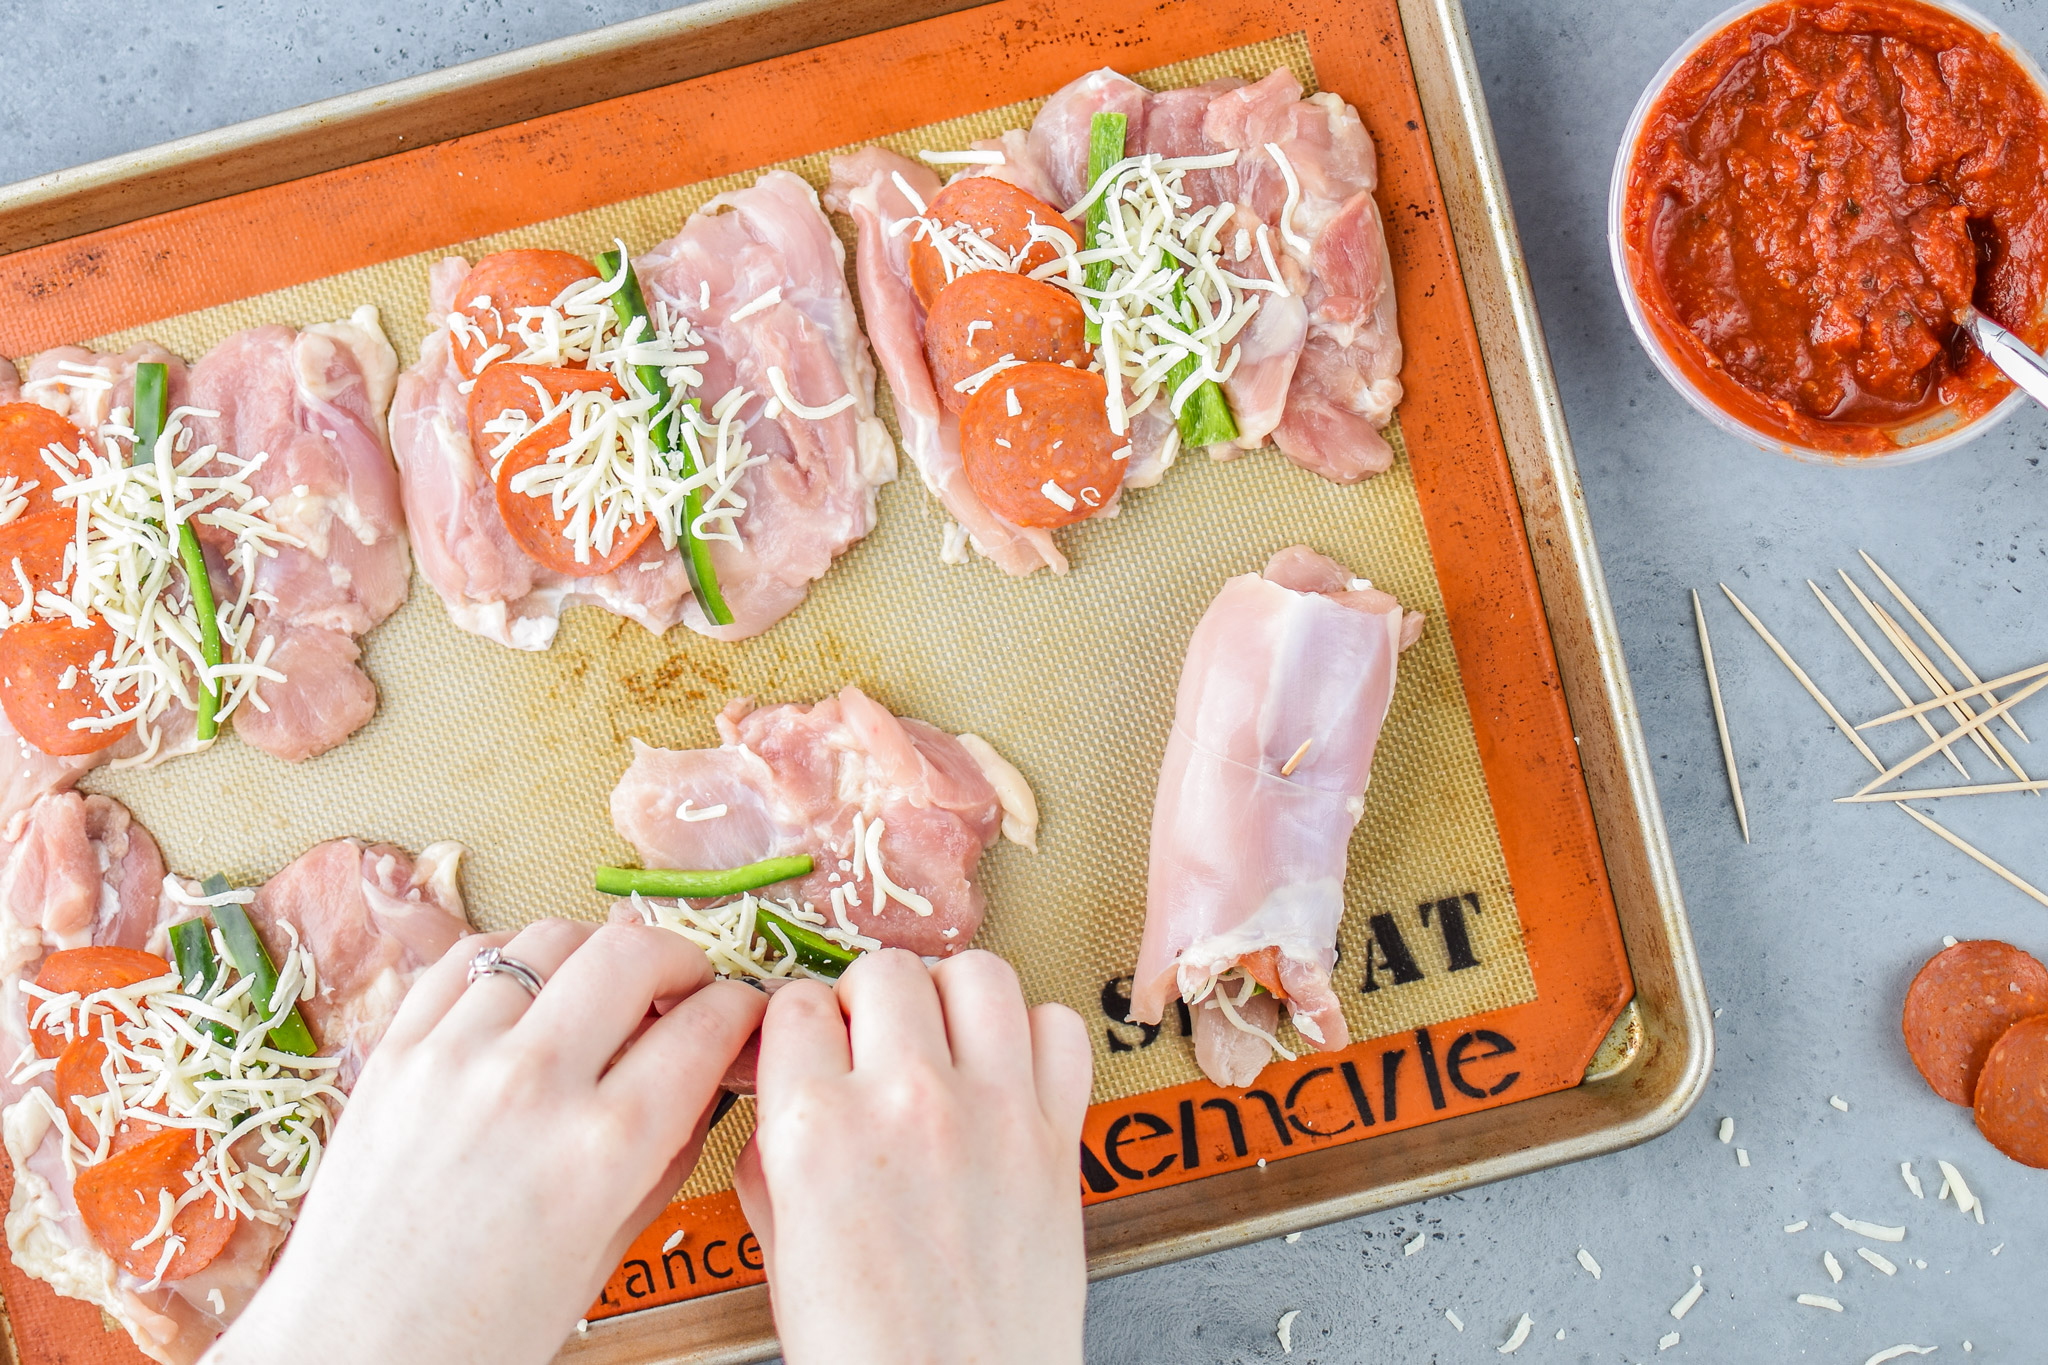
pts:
[870, 87]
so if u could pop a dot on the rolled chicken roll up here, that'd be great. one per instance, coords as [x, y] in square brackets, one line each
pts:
[1288, 680]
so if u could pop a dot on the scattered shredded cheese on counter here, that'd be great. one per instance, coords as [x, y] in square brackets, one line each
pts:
[1592, 1266]
[1799, 1226]
[1742, 1156]
[1834, 1267]
[1687, 1300]
[1521, 1334]
[1966, 1202]
[1821, 1301]
[1454, 1320]
[1874, 1259]
[1727, 1130]
[1894, 1352]
[1285, 1331]
[1912, 1180]
[1874, 1231]
[1415, 1244]
[1667, 1341]
[1837, 1102]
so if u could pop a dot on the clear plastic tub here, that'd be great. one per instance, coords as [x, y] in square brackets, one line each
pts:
[1923, 438]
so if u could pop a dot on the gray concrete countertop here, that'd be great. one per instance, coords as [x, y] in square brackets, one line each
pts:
[1809, 935]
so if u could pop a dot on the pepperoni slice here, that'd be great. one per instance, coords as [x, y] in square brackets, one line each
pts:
[26, 429]
[1962, 1001]
[108, 1205]
[1058, 436]
[983, 317]
[35, 659]
[2012, 1093]
[991, 207]
[78, 1076]
[38, 542]
[506, 387]
[535, 527]
[507, 281]
[86, 970]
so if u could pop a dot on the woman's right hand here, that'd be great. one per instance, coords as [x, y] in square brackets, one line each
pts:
[914, 1174]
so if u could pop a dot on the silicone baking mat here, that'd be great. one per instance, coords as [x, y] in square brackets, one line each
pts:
[1475, 849]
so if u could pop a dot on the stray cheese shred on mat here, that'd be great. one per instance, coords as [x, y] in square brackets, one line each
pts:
[1521, 1334]
[1592, 1266]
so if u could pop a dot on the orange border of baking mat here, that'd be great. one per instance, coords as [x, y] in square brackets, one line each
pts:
[855, 90]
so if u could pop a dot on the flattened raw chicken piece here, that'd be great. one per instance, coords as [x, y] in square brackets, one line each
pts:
[1288, 680]
[314, 402]
[864, 187]
[78, 869]
[792, 779]
[810, 500]
[1319, 368]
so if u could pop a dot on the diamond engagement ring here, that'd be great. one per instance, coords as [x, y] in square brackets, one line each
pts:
[493, 962]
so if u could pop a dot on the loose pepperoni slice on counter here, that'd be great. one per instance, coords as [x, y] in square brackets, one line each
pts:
[991, 207]
[2012, 1093]
[26, 430]
[508, 281]
[981, 318]
[86, 970]
[506, 386]
[1962, 1001]
[35, 657]
[117, 1219]
[1051, 462]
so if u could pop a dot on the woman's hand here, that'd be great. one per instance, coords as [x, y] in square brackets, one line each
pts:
[914, 1177]
[499, 1153]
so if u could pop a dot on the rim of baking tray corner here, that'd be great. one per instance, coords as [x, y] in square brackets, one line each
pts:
[1950, 436]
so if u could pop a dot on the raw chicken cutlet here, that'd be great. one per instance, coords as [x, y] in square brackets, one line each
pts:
[302, 415]
[894, 813]
[1278, 186]
[1288, 680]
[754, 286]
[77, 872]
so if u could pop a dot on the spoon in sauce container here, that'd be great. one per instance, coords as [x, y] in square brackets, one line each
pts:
[2019, 361]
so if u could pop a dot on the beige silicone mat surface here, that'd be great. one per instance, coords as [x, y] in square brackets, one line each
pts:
[515, 754]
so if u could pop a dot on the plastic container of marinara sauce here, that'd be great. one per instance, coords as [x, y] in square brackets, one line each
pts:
[1945, 422]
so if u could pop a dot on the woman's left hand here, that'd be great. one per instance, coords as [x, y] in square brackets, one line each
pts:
[500, 1152]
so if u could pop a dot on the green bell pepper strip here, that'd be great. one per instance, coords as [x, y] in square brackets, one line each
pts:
[812, 948]
[1205, 418]
[250, 958]
[668, 882]
[1105, 148]
[192, 949]
[151, 412]
[628, 304]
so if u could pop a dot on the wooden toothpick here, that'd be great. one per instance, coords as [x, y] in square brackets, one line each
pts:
[1981, 689]
[1940, 642]
[1287, 768]
[1974, 723]
[1721, 716]
[1884, 673]
[1848, 730]
[1987, 862]
[1929, 793]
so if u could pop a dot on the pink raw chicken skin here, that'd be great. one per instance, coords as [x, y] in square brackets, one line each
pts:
[1243, 858]
[78, 870]
[792, 778]
[1318, 368]
[807, 504]
[314, 402]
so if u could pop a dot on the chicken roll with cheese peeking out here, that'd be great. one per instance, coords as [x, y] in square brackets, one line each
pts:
[1288, 680]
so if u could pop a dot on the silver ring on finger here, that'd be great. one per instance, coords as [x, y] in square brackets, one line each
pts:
[493, 962]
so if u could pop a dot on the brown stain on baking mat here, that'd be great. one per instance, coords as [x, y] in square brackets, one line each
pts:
[1479, 950]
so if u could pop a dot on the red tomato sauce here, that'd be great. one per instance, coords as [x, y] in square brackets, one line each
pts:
[1815, 193]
